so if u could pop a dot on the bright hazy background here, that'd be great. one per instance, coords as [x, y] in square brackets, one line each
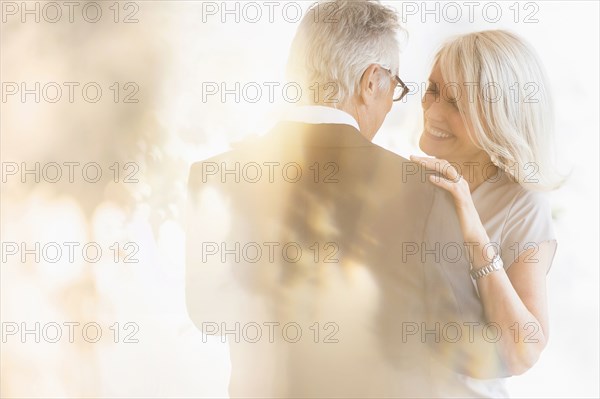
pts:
[168, 54]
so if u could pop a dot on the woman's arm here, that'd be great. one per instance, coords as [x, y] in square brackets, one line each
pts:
[514, 299]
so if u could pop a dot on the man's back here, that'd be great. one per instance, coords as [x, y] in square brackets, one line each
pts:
[301, 249]
[318, 254]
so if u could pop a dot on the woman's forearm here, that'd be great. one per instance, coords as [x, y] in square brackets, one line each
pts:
[522, 336]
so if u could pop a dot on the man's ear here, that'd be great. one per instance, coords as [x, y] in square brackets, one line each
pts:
[369, 84]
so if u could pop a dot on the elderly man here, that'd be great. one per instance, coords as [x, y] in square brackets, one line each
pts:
[315, 252]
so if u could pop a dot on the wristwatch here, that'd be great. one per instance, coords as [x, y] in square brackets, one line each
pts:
[495, 264]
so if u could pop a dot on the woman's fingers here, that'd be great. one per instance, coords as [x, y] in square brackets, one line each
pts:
[450, 180]
[442, 182]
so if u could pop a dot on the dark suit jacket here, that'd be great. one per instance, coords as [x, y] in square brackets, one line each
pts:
[314, 252]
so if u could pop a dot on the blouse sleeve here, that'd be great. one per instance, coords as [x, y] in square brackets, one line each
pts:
[528, 224]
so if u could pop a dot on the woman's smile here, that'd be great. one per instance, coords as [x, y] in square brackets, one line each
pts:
[437, 134]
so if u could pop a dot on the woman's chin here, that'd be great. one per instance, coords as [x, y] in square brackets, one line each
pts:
[428, 148]
[439, 148]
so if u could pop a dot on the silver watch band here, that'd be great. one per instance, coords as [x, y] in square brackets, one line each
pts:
[495, 264]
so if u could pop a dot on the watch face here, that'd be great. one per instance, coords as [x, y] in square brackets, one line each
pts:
[495, 264]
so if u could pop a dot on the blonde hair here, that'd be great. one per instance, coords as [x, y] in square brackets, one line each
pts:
[337, 41]
[507, 107]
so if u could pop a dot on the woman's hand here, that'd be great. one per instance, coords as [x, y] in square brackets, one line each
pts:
[449, 179]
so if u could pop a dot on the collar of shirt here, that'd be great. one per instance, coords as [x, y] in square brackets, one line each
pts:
[319, 114]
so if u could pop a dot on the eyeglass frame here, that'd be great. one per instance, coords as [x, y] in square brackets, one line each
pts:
[399, 82]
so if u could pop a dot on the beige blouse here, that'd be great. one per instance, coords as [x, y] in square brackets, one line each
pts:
[515, 219]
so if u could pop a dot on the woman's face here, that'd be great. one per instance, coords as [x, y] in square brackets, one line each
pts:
[444, 132]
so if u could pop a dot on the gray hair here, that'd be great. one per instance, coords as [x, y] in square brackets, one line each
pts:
[516, 130]
[336, 42]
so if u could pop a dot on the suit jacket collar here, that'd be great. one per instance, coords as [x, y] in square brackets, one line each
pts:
[318, 135]
[319, 114]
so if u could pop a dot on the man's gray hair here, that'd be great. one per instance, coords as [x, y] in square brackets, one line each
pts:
[336, 42]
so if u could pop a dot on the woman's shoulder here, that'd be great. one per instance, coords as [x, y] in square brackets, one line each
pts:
[528, 222]
[505, 191]
[528, 199]
[529, 218]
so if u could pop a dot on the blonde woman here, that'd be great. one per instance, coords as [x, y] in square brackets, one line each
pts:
[488, 125]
